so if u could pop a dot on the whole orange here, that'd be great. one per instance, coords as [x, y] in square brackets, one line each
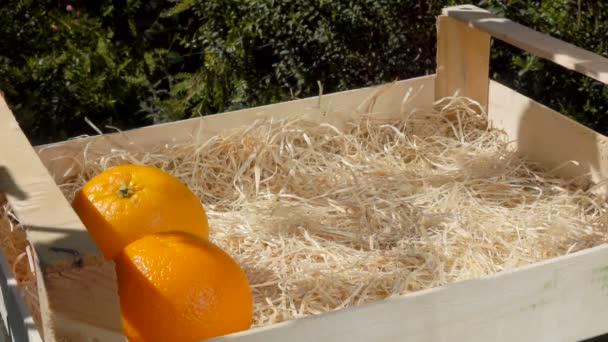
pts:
[174, 286]
[126, 202]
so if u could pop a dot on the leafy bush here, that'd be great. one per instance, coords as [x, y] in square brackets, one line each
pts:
[62, 62]
[258, 52]
[58, 66]
[128, 63]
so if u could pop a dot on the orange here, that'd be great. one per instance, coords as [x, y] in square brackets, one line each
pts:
[174, 286]
[126, 202]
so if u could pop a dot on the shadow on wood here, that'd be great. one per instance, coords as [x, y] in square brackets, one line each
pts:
[600, 338]
[8, 185]
[81, 288]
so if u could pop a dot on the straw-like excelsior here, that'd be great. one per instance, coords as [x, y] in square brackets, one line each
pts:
[323, 218]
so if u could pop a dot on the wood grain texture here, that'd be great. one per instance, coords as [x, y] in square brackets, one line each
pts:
[73, 330]
[537, 43]
[550, 138]
[463, 59]
[36, 200]
[74, 291]
[561, 300]
[50, 223]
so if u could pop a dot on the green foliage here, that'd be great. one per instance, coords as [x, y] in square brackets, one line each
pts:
[62, 63]
[258, 52]
[59, 66]
[128, 63]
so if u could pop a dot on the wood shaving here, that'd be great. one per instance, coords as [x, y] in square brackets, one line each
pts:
[323, 218]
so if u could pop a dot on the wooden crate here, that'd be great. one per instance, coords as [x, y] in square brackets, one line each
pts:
[564, 299]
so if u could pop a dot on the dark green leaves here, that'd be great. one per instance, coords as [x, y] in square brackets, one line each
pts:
[130, 63]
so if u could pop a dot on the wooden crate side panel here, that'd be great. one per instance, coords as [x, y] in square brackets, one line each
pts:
[83, 304]
[36, 200]
[548, 137]
[62, 245]
[75, 330]
[384, 100]
[562, 300]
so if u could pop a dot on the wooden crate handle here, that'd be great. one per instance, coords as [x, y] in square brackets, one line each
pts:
[39, 204]
[463, 44]
[76, 286]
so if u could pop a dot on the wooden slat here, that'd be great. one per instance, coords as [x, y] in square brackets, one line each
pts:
[561, 300]
[550, 138]
[463, 59]
[537, 43]
[37, 201]
[16, 318]
[50, 223]
[387, 100]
